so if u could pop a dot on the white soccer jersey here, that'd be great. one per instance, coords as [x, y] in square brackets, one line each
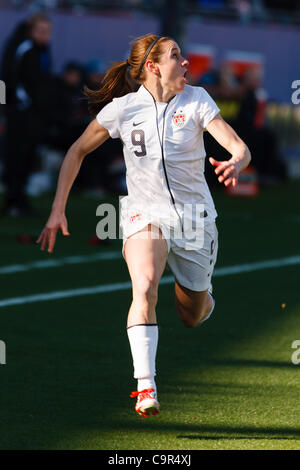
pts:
[164, 153]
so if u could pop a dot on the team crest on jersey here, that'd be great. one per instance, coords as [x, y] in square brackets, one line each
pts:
[178, 118]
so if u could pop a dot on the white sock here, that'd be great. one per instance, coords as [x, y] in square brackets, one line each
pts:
[143, 341]
[147, 382]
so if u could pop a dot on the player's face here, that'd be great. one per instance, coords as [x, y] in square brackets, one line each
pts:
[173, 67]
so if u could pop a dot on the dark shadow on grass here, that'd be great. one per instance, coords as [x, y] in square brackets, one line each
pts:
[204, 431]
[250, 363]
[230, 438]
[214, 433]
[247, 432]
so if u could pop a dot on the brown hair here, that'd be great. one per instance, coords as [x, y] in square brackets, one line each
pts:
[122, 77]
[36, 18]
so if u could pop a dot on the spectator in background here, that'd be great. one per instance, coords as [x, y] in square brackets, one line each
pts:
[94, 73]
[104, 169]
[69, 115]
[29, 80]
[253, 129]
[244, 10]
[228, 84]
[7, 62]
[250, 122]
[221, 83]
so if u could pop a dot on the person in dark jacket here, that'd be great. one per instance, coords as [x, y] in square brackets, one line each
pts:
[251, 124]
[26, 67]
[69, 115]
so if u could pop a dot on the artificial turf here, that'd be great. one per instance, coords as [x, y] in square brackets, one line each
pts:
[229, 384]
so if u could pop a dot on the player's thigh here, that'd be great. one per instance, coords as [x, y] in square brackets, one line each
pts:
[146, 253]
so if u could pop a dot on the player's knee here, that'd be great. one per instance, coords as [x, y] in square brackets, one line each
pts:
[192, 318]
[146, 289]
[187, 317]
[189, 322]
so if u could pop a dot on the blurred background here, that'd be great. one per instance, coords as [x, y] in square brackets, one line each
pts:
[243, 52]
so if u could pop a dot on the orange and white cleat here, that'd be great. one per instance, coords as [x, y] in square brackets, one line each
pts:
[146, 402]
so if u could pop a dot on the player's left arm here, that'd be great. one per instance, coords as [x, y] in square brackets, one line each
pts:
[228, 170]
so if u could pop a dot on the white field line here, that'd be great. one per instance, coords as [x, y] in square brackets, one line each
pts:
[53, 263]
[111, 255]
[101, 289]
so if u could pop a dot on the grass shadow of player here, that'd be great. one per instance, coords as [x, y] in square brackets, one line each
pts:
[247, 432]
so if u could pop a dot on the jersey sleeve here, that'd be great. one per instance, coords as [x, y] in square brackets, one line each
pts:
[108, 118]
[207, 108]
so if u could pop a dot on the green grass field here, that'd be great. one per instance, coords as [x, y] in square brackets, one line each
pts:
[229, 384]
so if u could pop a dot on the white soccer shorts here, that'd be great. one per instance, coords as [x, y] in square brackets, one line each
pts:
[192, 268]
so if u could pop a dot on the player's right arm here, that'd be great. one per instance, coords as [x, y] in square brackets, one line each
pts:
[93, 136]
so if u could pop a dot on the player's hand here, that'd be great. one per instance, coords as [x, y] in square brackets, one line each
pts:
[227, 171]
[48, 236]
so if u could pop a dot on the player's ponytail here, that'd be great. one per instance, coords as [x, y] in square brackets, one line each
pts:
[115, 83]
[124, 77]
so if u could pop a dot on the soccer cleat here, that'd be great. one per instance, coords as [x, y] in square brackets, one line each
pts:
[146, 402]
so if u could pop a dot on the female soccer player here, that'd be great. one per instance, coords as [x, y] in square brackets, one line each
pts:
[161, 126]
